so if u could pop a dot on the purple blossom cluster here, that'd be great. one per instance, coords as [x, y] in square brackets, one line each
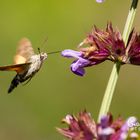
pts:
[83, 127]
[101, 45]
[100, 1]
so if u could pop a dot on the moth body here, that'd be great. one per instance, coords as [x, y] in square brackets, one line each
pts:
[26, 63]
[36, 62]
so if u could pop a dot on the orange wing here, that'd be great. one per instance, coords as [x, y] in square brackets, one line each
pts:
[18, 67]
[24, 51]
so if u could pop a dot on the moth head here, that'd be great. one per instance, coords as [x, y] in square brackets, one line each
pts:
[43, 56]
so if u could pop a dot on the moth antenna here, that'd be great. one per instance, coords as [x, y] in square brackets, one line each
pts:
[39, 52]
[43, 43]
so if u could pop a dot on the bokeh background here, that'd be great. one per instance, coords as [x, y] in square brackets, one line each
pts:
[33, 111]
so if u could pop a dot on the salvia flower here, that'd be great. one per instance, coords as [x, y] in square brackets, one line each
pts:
[77, 66]
[83, 127]
[132, 53]
[102, 45]
[100, 1]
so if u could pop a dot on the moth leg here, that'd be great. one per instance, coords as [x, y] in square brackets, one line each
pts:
[28, 80]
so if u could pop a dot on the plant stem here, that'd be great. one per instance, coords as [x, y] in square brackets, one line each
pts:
[106, 102]
[130, 20]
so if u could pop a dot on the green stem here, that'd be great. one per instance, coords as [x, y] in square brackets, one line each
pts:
[106, 102]
[130, 20]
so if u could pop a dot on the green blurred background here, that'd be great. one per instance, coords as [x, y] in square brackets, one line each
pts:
[33, 111]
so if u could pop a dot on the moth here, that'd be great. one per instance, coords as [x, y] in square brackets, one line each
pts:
[26, 63]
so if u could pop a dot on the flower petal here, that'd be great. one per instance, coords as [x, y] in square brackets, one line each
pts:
[71, 53]
[78, 66]
[100, 1]
[79, 71]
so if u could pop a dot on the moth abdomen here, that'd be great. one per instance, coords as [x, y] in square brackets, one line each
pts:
[14, 83]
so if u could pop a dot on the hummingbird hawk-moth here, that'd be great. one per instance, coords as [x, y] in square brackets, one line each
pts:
[26, 63]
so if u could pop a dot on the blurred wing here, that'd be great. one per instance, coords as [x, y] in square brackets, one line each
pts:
[24, 51]
[18, 67]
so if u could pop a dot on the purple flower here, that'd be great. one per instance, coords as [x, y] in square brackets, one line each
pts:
[83, 127]
[101, 46]
[100, 1]
[79, 63]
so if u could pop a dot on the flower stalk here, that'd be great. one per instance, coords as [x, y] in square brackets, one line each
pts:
[106, 102]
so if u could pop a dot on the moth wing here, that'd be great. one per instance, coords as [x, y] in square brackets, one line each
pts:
[24, 51]
[17, 67]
